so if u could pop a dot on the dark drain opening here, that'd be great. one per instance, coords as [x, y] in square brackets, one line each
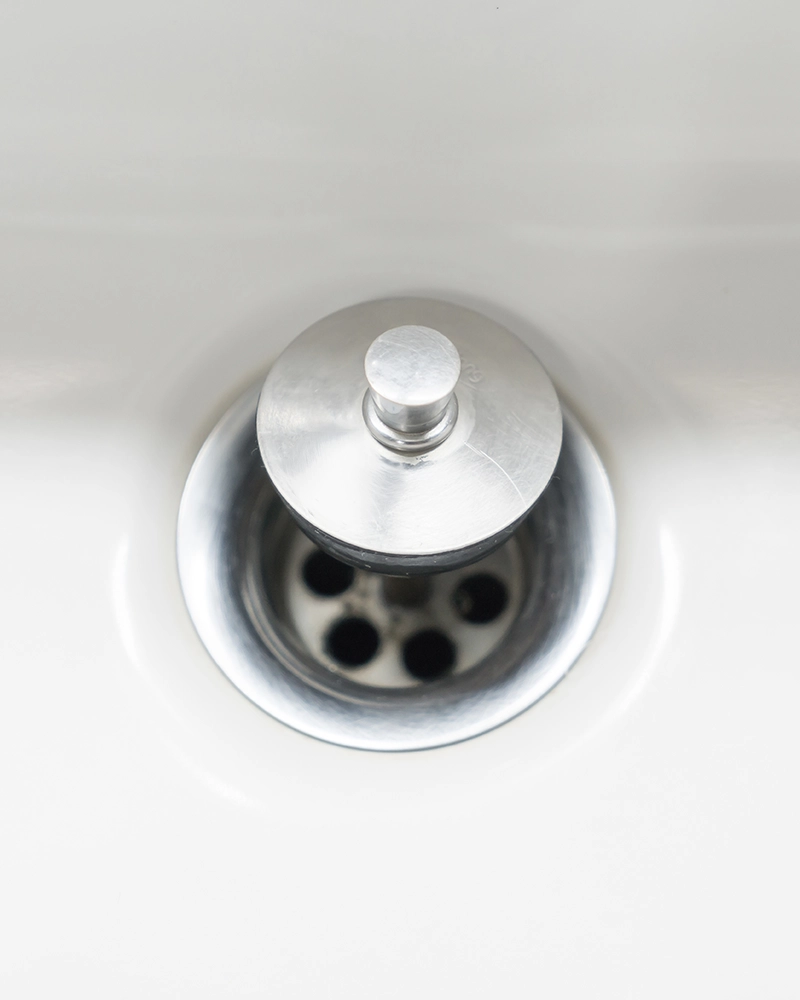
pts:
[326, 576]
[429, 654]
[481, 599]
[353, 642]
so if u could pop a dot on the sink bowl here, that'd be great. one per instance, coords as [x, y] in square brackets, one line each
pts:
[182, 191]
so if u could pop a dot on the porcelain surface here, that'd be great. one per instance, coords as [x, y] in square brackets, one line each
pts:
[184, 187]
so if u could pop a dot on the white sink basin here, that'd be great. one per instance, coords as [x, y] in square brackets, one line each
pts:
[182, 190]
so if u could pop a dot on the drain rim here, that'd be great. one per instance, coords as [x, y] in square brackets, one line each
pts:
[340, 711]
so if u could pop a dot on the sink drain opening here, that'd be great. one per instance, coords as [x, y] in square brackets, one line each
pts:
[386, 662]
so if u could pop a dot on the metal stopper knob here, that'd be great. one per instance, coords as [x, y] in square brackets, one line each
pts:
[411, 406]
[366, 503]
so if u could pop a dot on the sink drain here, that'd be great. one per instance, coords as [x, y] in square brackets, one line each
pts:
[382, 662]
[385, 631]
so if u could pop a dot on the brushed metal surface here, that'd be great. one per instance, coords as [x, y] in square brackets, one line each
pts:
[399, 513]
[412, 372]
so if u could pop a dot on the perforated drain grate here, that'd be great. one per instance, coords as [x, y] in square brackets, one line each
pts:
[397, 631]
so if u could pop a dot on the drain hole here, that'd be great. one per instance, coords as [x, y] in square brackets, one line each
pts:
[481, 599]
[326, 576]
[353, 642]
[429, 654]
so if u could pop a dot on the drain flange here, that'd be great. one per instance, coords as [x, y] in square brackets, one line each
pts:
[389, 663]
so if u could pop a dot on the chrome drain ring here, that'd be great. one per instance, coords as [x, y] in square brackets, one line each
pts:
[229, 563]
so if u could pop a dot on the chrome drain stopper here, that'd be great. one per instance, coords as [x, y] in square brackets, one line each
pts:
[409, 436]
[423, 557]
